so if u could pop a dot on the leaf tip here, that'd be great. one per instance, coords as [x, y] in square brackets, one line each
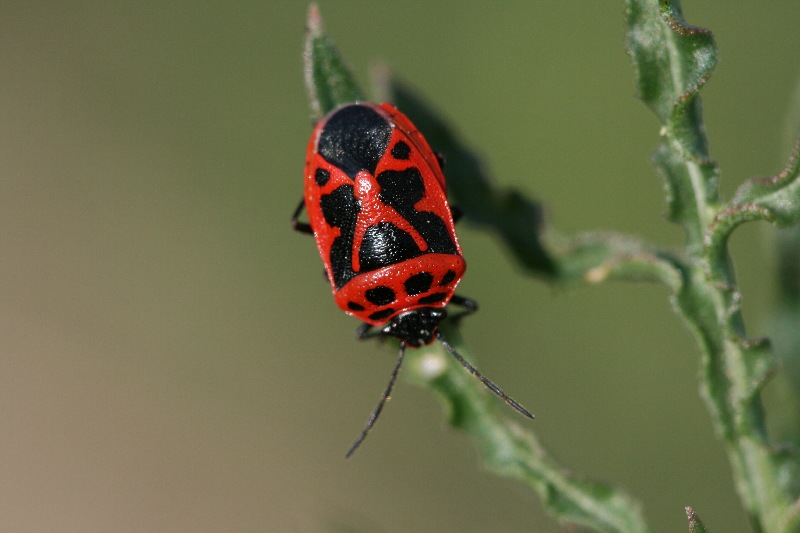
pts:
[695, 524]
[328, 79]
[314, 20]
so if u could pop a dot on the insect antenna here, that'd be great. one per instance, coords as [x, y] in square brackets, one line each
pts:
[378, 408]
[486, 381]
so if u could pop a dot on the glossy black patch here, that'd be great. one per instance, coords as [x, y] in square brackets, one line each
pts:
[385, 244]
[321, 176]
[340, 209]
[354, 138]
[386, 313]
[448, 278]
[401, 150]
[433, 298]
[353, 306]
[402, 190]
[418, 283]
[380, 295]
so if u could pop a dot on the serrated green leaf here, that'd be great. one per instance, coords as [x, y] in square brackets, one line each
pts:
[671, 59]
[329, 81]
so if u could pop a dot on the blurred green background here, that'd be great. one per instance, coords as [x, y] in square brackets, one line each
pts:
[172, 359]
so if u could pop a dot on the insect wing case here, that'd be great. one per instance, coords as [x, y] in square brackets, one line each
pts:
[375, 195]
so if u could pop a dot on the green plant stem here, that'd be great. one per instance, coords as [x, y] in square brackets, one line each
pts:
[673, 61]
[733, 371]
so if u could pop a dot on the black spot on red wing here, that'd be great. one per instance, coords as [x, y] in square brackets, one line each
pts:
[448, 278]
[433, 298]
[402, 190]
[385, 244]
[380, 295]
[321, 176]
[354, 138]
[386, 313]
[340, 209]
[353, 306]
[401, 150]
[418, 283]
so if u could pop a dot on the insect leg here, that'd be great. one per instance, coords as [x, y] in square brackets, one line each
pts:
[365, 331]
[467, 305]
[456, 212]
[302, 227]
[440, 158]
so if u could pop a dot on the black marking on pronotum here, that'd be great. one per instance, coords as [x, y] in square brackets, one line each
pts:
[354, 139]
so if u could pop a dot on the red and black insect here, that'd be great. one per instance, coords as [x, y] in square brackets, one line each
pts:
[377, 207]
